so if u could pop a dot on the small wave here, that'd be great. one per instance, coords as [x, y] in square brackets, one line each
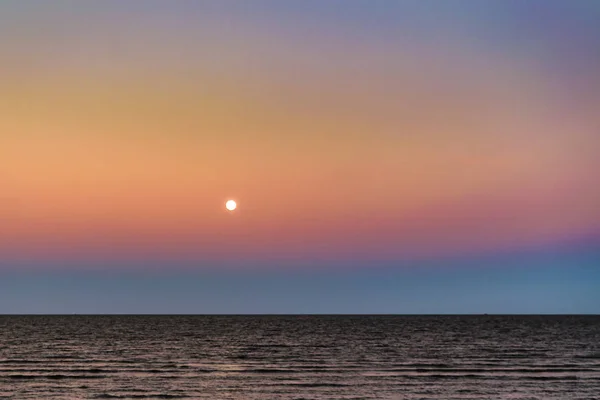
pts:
[492, 370]
[66, 370]
[593, 356]
[17, 361]
[424, 365]
[140, 396]
[318, 385]
[551, 378]
[63, 357]
[54, 377]
[271, 371]
[496, 377]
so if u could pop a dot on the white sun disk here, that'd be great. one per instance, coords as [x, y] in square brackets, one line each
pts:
[230, 205]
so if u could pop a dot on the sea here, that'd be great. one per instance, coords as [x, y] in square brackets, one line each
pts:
[300, 357]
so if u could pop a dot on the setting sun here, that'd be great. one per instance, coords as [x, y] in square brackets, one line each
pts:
[231, 205]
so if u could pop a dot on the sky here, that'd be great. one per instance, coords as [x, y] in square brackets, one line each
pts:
[411, 156]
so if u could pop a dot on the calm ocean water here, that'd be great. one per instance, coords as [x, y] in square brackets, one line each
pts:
[300, 357]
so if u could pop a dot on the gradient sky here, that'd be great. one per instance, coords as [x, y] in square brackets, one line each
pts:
[387, 156]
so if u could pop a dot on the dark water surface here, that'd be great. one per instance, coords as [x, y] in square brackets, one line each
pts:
[300, 357]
